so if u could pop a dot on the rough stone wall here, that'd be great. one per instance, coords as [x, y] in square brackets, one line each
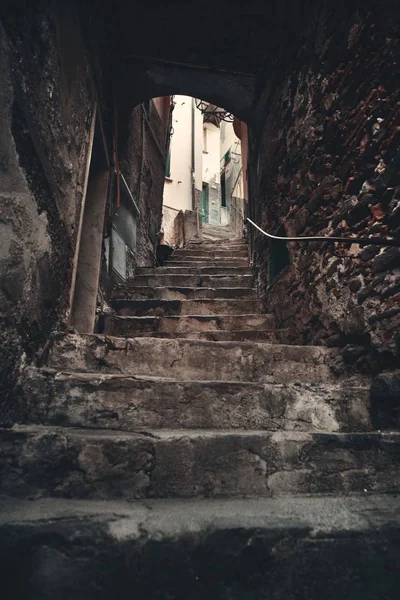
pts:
[47, 103]
[328, 163]
[168, 225]
[180, 227]
[145, 176]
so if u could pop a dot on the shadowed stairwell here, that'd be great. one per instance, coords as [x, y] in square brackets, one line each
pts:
[185, 406]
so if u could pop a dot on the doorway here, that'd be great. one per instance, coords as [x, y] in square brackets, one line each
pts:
[204, 203]
[223, 191]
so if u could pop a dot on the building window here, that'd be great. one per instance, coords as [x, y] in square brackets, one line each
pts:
[279, 258]
[227, 156]
[168, 164]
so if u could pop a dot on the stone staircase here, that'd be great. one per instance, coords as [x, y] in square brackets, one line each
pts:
[189, 407]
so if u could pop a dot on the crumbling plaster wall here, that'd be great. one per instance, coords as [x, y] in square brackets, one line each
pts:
[328, 163]
[47, 104]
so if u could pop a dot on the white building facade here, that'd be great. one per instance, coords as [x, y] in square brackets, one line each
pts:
[203, 168]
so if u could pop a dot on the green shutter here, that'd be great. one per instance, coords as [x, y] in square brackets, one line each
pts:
[168, 165]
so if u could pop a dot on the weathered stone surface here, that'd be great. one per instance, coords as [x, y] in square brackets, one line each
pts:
[270, 336]
[204, 270]
[326, 547]
[81, 463]
[352, 352]
[389, 259]
[369, 252]
[211, 281]
[192, 359]
[74, 463]
[124, 403]
[198, 264]
[140, 308]
[183, 293]
[328, 162]
[223, 256]
[129, 326]
[385, 401]
[42, 166]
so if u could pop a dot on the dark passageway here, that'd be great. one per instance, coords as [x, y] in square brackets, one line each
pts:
[188, 408]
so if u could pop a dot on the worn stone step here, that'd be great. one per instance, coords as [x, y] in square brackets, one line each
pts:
[213, 238]
[98, 400]
[182, 293]
[209, 255]
[140, 308]
[216, 246]
[203, 280]
[207, 249]
[343, 545]
[272, 336]
[102, 464]
[230, 240]
[334, 548]
[192, 359]
[206, 270]
[129, 326]
[205, 264]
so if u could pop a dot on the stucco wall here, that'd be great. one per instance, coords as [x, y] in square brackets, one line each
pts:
[178, 191]
[47, 103]
[228, 139]
[211, 172]
[198, 148]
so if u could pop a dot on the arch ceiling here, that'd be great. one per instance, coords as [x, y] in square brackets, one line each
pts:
[212, 51]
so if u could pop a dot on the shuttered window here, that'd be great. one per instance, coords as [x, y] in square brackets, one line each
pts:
[168, 165]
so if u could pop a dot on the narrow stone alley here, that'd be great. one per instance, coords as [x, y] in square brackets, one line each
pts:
[199, 301]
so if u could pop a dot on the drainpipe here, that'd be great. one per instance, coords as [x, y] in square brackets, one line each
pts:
[193, 158]
[139, 182]
[250, 190]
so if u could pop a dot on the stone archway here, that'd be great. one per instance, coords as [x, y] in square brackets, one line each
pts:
[138, 79]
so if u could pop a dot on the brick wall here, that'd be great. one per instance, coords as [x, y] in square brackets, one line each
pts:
[328, 163]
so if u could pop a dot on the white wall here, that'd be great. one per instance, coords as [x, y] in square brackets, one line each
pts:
[198, 143]
[211, 152]
[211, 171]
[178, 190]
[228, 139]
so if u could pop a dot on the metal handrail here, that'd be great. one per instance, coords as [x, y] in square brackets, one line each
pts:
[326, 238]
[128, 191]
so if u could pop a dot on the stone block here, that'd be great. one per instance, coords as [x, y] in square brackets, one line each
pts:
[385, 401]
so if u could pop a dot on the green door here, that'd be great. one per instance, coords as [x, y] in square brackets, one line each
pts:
[204, 204]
